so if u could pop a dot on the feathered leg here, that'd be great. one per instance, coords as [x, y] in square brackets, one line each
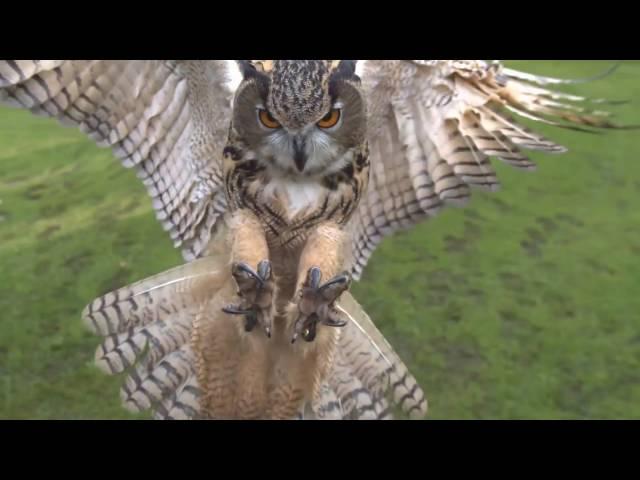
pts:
[322, 259]
[252, 272]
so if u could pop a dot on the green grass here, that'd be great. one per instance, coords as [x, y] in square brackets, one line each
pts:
[523, 305]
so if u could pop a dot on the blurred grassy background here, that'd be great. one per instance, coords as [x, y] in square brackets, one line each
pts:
[523, 305]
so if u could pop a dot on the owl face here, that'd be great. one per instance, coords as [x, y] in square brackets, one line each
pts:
[301, 118]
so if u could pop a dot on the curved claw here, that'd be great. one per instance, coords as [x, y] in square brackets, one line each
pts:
[267, 330]
[240, 267]
[334, 287]
[251, 285]
[316, 304]
[236, 310]
[330, 322]
[313, 277]
[306, 328]
[264, 270]
[250, 315]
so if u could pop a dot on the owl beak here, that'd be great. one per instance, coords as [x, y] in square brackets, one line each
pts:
[299, 155]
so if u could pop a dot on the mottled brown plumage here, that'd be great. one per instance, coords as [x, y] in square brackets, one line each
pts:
[278, 193]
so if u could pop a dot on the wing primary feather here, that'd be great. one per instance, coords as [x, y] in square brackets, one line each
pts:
[452, 116]
[542, 80]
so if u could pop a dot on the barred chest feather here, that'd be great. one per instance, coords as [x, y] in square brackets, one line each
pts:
[289, 204]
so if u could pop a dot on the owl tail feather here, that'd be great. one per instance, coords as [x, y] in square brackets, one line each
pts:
[368, 378]
[148, 329]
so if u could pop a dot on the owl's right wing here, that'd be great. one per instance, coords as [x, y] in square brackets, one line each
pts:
[433, 127]
[167, 119]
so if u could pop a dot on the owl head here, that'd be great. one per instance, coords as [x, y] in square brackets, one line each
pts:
[300, 117]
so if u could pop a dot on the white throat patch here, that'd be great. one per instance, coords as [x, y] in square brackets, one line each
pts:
[295, 195]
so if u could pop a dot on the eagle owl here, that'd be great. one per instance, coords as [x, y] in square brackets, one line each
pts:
[278, 183]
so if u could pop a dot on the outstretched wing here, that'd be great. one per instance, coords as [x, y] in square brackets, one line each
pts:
[167, 119]
[434, 125]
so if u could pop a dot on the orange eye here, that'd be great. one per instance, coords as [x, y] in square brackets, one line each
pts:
[267, 120]
[330, 119]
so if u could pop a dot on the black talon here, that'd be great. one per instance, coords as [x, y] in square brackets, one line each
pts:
[250, 321]
[313, 277]
[250, 317]
[243, 267]
[251, 285]
[264, 271]
[236, 310]
[309, 333]
[316, 302]
[330, 322]
[340, 279]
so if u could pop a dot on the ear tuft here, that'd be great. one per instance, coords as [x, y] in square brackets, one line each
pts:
[247, 68]
[347, 68]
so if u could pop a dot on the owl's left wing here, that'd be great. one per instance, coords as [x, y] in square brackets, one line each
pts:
[433, 126]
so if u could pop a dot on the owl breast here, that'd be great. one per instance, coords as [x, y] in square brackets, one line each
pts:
[294, 197]
[291, 204]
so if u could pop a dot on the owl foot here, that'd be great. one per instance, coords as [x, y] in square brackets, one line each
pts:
[256, 290]
[316, 304]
